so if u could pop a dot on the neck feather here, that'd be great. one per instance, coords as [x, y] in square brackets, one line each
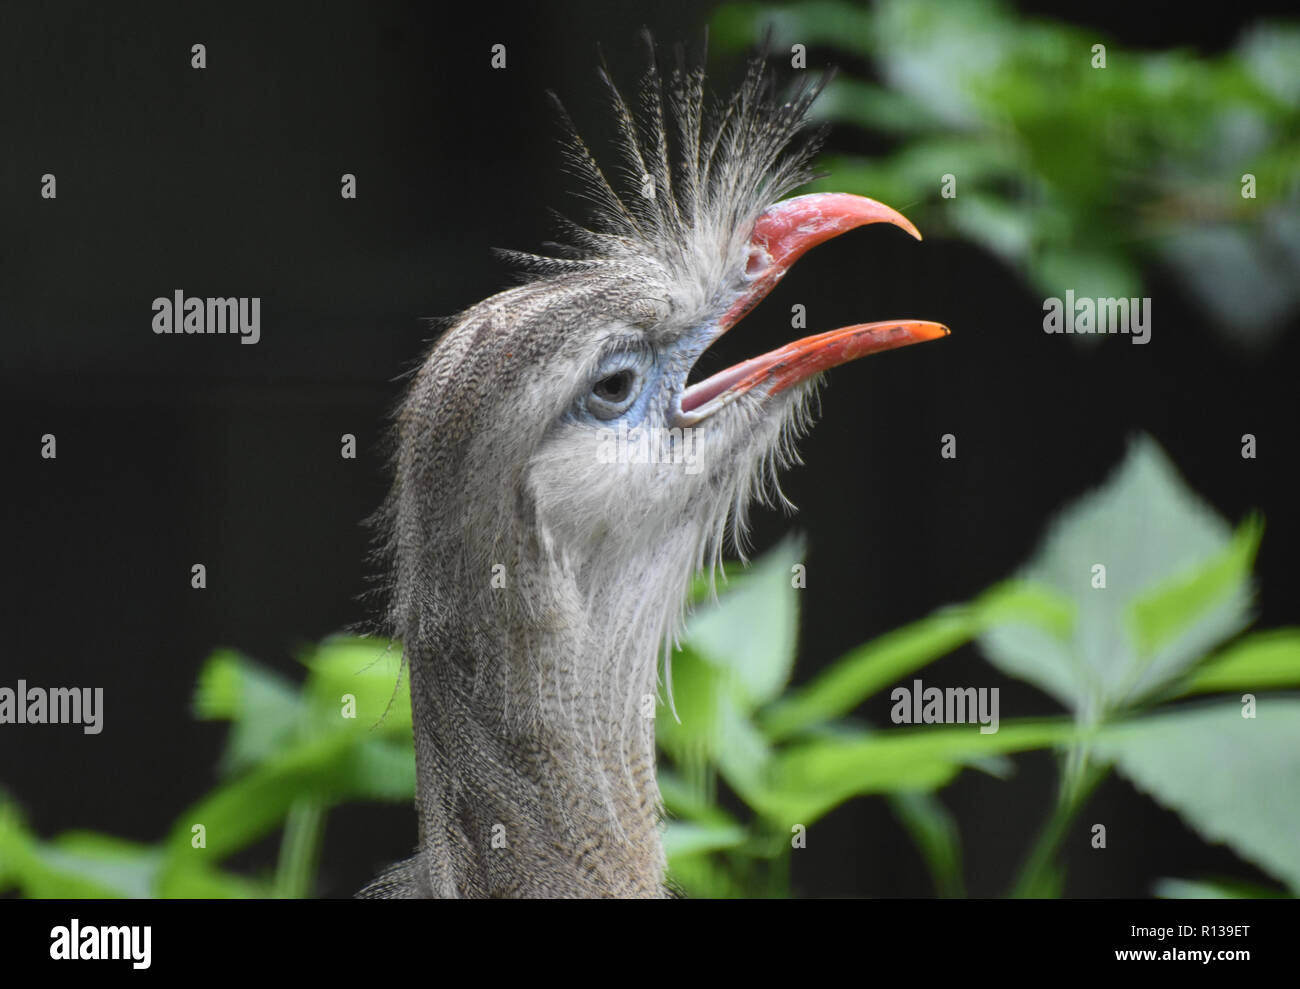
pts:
[534, 736]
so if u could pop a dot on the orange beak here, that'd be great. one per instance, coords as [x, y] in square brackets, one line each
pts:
[783, 233]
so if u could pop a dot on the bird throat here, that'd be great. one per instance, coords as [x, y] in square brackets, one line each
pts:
[535, 754]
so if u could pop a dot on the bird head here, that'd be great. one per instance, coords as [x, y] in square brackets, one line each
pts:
[554, 437]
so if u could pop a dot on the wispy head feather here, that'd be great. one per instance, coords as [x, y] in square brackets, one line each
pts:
[692, 173]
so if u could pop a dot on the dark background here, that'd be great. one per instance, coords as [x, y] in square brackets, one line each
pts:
[176, 450]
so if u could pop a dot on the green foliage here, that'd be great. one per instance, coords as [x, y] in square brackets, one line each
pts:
[1254, 662]
[1177, 584]
[749, 765]
[1077, 175]
[1231, 779]
[291, 754]
[1214, 889]
[885, 660]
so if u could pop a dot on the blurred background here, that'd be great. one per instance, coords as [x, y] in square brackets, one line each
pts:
[1123, 180]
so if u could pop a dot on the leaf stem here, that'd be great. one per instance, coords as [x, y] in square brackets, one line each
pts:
[1078, 780]
[299, 850]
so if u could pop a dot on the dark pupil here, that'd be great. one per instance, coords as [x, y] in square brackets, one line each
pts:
[614, 388]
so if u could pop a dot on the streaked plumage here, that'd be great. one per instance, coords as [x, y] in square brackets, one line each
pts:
[535, 755]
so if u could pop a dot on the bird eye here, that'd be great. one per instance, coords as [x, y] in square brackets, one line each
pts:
[612, 394]
[615, 387]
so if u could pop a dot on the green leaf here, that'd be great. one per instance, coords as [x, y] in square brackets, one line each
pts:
[1047, 884]
[866, 104]
[752, 631]
[743, 754]
[1005, 228]
[1233, 779]
[90, 865]
[737, 25]
[25, 867]
[868, 668]
[1162, 614]
[691, 736]
[327, 769]
[934, 830]
[683, 838]
[702, 876]
[714, 732]
[74, 866]
[1152, 535]
[854, 677]
[1101, 272]
[808, 779]
[356, 684]
[15, 841]
[1254, 290]
[683, 802]
[122, 868]
[1213, 889]
[265, 708]
[1020, 602]
[198, 881]
[1256, 662]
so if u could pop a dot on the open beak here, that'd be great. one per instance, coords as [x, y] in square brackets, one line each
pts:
[783, 233]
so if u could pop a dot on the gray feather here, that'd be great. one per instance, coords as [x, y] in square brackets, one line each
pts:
[535, 759]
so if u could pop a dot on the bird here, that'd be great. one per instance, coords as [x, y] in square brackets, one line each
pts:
[534, 580]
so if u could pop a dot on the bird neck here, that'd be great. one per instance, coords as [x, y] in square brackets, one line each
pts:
[535, 749]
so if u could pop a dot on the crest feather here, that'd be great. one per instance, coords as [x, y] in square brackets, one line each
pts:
[695, 172]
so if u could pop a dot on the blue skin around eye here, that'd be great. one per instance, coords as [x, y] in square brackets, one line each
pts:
[651, 368]
[649, 375]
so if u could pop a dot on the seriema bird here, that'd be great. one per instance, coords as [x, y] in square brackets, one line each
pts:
[535, 580]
